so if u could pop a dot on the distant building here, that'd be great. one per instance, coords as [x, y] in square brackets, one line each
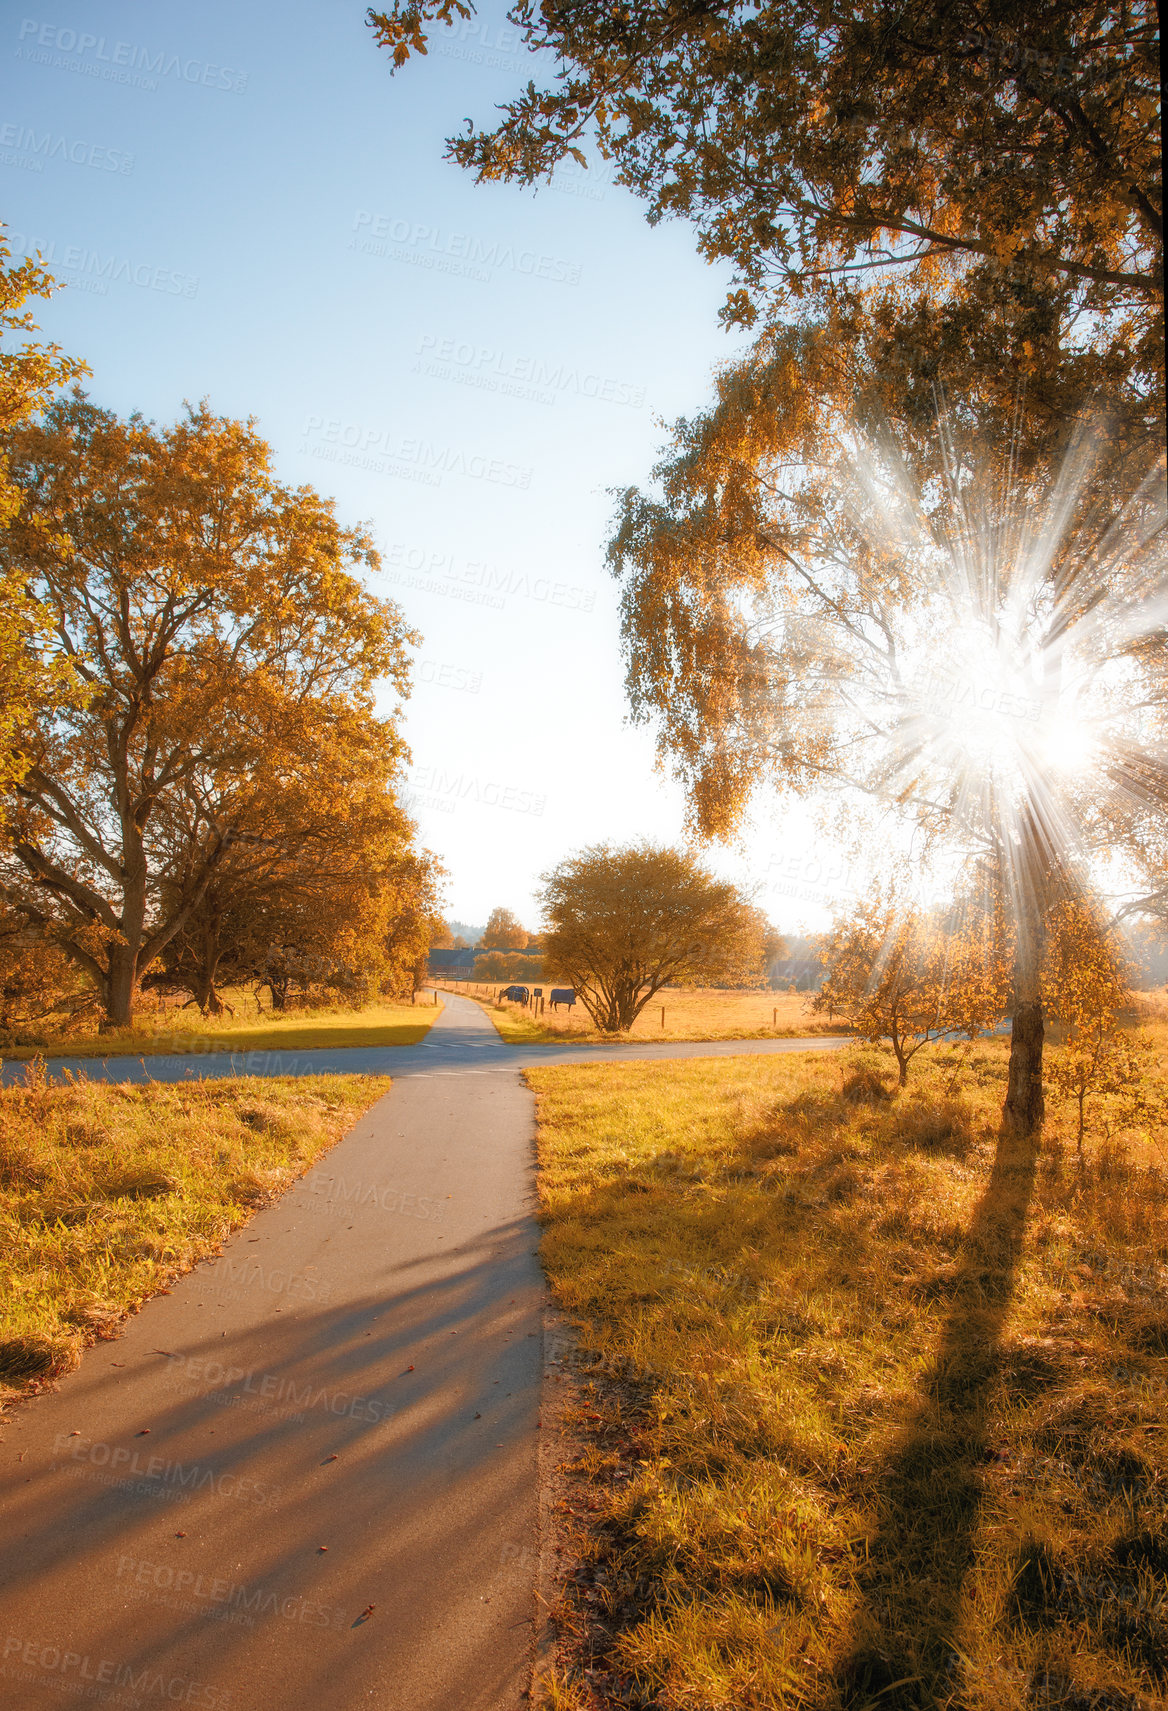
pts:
[455, 965]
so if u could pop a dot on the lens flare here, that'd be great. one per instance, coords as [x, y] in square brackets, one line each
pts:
[1025, 706]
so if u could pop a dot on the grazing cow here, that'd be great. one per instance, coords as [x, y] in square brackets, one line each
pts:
[562, 995]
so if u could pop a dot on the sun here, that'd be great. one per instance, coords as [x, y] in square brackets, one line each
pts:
[1067, 745]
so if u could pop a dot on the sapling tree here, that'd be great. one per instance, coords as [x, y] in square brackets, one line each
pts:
[905, 975]
[1085, 988]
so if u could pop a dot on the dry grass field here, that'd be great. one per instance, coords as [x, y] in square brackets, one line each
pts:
[872, 1409]
[690, 1014]
[108, 1192]
[175, 1029]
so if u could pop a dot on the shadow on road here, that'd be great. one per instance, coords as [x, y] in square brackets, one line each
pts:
[363, 1430]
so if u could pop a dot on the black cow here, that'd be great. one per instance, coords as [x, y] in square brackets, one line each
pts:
[517, 994]
[562, 995]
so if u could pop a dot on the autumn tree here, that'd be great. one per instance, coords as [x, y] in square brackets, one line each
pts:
[623, 922]
[966, 190]
[328, 891]
[774, 950]
[898, 973]
[941, 202]
[29, 375]
[363, 933]
[498, 966]
[415, 918]
[37, 982]
[503, 932]
[223, 640]
[978, 652]
[1086, 987]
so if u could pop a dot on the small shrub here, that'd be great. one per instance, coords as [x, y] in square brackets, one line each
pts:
[260, 1117]
[84, 1132]
[253, 1186]
[1148, 1332]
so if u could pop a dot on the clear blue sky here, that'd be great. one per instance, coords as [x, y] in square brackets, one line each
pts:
[246, 207]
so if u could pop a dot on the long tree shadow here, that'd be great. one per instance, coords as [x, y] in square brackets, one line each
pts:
[929, 1499]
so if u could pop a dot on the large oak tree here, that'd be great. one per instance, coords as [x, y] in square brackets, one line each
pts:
[224, 643]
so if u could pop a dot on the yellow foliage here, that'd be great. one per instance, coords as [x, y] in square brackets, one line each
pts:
[1085, 988]
[28, 377]
[897, 973]
[229, 659]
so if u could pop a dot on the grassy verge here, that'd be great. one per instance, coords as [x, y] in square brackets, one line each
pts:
[689, 1015]
[299, 1030]
[874, 1408]
[109, 1192]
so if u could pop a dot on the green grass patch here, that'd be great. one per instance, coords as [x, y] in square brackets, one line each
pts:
[298, 1030]
[108, 1192]
[874, 1406]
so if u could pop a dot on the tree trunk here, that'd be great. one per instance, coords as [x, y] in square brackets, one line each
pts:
[1024, 1109]
[901, 1059]
[121, 987]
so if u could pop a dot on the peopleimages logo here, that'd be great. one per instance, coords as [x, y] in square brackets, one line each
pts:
[96, 272]
[230, 1277]
[206, 1374]
[120, 62]
[81, 1676]
[181, 1478]
[528, 376]
[213, 1595]
[386, 453]
[435, 786]
[490, 584]
[431, 246]
[48, 146]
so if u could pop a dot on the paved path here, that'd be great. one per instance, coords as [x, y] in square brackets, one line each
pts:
[359, 1370]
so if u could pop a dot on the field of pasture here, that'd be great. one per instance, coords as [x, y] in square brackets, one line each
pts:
[691, 1013]
[868, 1404]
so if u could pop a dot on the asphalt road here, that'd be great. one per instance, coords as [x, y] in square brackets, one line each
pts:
[462, 1038]
[306, 1477]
